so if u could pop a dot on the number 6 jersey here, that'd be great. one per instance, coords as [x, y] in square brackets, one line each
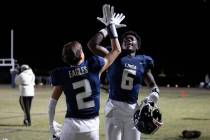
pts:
[125, 77]
[81, 86]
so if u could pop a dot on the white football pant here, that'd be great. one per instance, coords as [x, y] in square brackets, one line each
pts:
[77, 129]
[119, 123]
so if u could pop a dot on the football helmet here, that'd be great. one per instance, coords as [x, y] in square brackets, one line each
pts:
[147, 118]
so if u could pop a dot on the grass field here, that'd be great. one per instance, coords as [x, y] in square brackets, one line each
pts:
[182, 108]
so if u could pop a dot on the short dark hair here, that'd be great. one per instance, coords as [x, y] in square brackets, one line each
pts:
[130, 32]
[71, 53]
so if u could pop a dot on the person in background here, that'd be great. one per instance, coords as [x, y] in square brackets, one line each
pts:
[80, 83]
[14, 72]
[125, 77]
[26, 81]
[206, 82]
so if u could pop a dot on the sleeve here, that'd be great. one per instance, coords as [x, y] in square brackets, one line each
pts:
[34, 79]
[149, 62]
[56, 77]
[18, 79]
[96, 63]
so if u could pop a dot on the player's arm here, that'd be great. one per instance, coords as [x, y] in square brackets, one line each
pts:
[57, 91]
[109, 19]
[94, 44]
[150, 82]
[112, 21]
[96, 48]
[149, 79]
[111, 56]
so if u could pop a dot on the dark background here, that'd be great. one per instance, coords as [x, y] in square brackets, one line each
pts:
[174, 32]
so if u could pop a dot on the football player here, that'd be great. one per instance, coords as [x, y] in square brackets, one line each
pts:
[80, 82]
[125, 77]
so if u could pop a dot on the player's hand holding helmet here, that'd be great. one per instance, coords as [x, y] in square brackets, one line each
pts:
[55, 131]
[154, 95]
[148, 118]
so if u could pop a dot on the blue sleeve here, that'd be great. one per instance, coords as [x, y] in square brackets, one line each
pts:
[96, 63]
[56, 77]
[149, 62]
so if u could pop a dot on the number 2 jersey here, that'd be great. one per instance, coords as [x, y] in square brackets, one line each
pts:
[81, 86]
[125, 77]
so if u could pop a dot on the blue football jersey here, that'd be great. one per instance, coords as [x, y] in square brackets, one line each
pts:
[81, 86]
[125, 77]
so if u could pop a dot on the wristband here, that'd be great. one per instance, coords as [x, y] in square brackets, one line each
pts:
[104, 32]
[112, 31]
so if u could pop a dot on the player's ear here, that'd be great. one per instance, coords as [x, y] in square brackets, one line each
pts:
[82, 55]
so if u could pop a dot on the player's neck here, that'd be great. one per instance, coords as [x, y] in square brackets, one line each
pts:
[126, 53]
[81, 61]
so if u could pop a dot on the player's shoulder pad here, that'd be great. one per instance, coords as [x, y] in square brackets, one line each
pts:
[147, 60]
[96, 63]
[144, 57]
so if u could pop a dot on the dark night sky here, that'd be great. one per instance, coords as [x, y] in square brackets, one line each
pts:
[174, 32]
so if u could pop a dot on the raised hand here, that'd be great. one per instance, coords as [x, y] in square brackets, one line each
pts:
[111, 20]
[117, 19]
[108, 14]
[109, 17]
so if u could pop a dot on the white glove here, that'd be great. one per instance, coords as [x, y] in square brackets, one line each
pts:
[57, 125]
[107, 14]
[55, 131]
[109, 17]
[117, 19]
[153, 97]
